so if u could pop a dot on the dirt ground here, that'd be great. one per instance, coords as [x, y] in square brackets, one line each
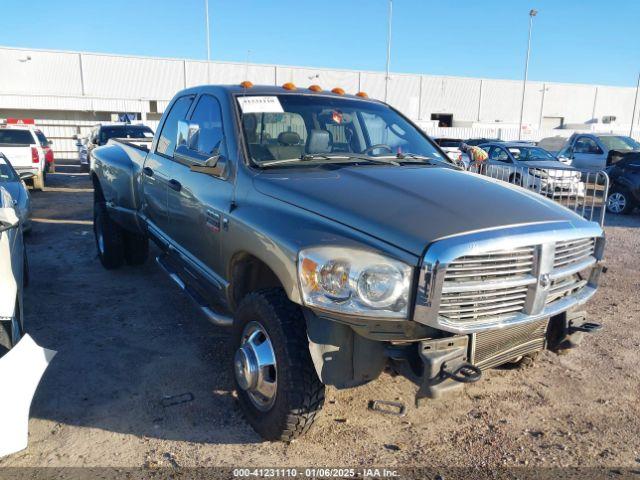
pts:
[129, 342]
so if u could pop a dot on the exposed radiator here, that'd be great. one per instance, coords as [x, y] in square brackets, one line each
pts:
[495, 347]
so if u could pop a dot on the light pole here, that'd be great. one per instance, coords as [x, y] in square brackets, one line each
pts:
[635, 103]
[208, 40]
[386, 78]
[532, 13]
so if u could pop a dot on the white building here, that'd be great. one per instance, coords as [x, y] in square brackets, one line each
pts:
[68, 91]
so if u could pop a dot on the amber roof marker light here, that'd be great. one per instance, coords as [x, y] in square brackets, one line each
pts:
[289, 86]
[338, 91]
[246, 84]
[315, 88]
[362, 95]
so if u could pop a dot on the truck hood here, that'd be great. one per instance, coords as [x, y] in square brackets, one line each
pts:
[410, 207]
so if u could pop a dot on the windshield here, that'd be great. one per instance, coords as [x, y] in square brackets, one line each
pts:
[125, 131]
[530, 154]
[7, 173]
[620, 143]
[324, 129]
[448, 143]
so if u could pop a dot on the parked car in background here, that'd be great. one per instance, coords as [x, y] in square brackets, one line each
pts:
[553, 144]
[13, 273]
[101, 134]
[476, 142]
[49, 165]
[340, 244]
[24, 150]
[451, 146]
[13, 182]
[532, 167]
[593, 151]
[624, 184]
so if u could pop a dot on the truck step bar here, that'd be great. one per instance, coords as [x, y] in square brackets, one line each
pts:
[211, 315]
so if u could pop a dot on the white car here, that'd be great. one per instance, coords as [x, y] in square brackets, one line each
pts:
[13, 273]
[24, 150]
[451, 146]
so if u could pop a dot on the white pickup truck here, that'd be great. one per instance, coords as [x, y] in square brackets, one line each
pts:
[23, 149]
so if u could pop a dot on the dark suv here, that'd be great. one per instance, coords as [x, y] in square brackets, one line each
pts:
[624, 186]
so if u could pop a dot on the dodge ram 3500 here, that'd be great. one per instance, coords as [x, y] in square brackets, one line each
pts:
[336, 239]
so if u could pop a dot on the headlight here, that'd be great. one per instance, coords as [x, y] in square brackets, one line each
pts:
[354, 282]
[539, 173]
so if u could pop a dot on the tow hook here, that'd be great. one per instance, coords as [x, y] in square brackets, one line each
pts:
[465, 373]
[446, 367]
[587, 327]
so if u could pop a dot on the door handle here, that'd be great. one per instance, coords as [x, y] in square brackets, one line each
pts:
[175, 185]
[147, 171]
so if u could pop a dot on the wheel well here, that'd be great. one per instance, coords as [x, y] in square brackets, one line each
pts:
[98, 196]
[248, 274]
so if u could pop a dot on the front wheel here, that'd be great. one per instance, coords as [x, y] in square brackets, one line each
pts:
[278, 388]
[619, 201]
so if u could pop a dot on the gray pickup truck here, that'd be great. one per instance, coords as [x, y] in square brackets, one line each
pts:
[336, 240]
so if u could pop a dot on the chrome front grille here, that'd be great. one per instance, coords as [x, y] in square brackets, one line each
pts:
[499, 284]
[467, 294]
[479, 304]
[573, 251]
[491, 265]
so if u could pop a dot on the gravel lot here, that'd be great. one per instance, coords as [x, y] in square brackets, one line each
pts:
[127, 340]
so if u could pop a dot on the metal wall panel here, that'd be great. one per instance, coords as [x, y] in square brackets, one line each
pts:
[38, 72]
[572, 102]
[404, 91]
[327, 79]
[234, 73]
[458, 96]
[52, 102]
[501, 100]
[615, 101]
[132, 77]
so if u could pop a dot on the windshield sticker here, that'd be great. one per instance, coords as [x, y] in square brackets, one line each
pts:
[260, 105]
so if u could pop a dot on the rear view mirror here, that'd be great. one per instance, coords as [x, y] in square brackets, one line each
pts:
[26, 175]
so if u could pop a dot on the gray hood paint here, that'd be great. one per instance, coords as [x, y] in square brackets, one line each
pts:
[410, 207]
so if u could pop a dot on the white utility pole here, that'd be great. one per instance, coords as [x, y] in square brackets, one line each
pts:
[635, 104]
[206, 14]
[532, 13]
[386, 78]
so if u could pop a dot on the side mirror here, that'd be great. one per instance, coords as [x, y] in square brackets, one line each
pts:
[8, 218]
[26, 175]
[187, 151]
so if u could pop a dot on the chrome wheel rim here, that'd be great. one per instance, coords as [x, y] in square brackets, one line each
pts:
[617, 202]
[254, 366]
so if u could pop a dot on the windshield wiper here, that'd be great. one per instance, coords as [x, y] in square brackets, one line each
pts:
[343, 158]
[307, 157]
[421, 158]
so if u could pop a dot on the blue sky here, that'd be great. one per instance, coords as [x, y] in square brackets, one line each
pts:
[583, 41]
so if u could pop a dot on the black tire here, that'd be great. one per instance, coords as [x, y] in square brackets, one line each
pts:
[516, 179]
[299, 393]
[109, 238]
[39, 181]
[136, 248]
[620, 201]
